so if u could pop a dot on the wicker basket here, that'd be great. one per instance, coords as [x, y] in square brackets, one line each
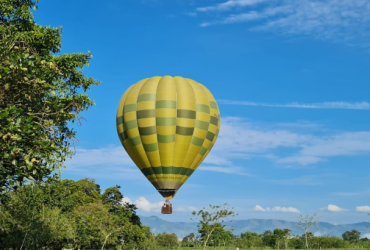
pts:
[167, 209]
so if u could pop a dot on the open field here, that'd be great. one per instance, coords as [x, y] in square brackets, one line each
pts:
[234, 248]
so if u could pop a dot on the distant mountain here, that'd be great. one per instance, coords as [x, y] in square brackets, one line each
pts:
[181, 229]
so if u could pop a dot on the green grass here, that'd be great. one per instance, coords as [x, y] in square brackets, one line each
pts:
[233, 248]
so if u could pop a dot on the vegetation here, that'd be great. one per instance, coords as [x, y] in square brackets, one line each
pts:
[305, 223]
[41, 91]
[67, 213]
[71, 214]
[210, 220]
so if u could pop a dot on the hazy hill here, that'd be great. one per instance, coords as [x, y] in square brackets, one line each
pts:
[182, 229]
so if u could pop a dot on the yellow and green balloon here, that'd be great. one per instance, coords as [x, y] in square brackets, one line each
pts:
[168, 125]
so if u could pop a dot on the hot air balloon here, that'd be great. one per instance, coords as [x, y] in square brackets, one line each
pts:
[167, 125]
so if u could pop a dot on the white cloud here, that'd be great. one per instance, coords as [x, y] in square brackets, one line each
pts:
[143, 204]
[112, 155]
[320, 105]
[364, 209]
[126, 200]
[192, 14]
[339, 20]
[258, 208]
[230, 4]
[225, 169]
[306, 180]
[333, 208]
[110, 162]
[185, 209]
[301, 159]
[366, 236]
[240, 139]
[351, 193]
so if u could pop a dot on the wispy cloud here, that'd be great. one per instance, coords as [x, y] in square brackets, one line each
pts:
[258, 208]
[230, 4]
[101, 163]
[241, 139]
[226, 170]
[305, 180]
[339, 20]
[363, 209]
[185, 209]
[334, 208]
[352, 193]
[322, 105]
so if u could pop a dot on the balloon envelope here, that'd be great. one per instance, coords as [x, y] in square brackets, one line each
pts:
[168, 125]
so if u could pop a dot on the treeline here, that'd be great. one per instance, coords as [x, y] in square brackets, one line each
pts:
[69, 214]
[277, 239]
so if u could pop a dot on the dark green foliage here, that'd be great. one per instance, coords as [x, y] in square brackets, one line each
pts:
[41, 91]
[268, 238]
[352, 236]
[67, 212]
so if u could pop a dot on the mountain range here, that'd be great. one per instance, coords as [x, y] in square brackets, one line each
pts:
[181, 229]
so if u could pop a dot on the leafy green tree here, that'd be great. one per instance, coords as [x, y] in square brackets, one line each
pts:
[352, 236]
[26, 221]
[96, 226]
[189, 240]
[268, 238]
[279, 236]
[169, 241]
[41, 91]
[286, 236]
[251, 239]
[219, 236]
[66, 212]
[224, 237]
[211, 219]
[113, 197]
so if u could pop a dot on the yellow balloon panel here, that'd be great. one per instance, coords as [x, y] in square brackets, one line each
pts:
[168, 125]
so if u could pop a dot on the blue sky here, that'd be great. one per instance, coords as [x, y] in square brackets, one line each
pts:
[291, 79]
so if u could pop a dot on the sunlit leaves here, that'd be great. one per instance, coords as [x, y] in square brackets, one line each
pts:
[40, 93]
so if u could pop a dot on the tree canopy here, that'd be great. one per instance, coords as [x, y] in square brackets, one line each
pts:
[67, 212]
[41, 92]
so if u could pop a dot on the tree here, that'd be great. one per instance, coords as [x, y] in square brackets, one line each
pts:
[210, 219]
[225, 236]
[41, 92]
[251, 239]
[268, 238]
[220, 235]
[286, 235]
[305, 223]
[169, 241]
[189, 240]
[279, 235]
[352, 236]
[66, 212]
[97, 225]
